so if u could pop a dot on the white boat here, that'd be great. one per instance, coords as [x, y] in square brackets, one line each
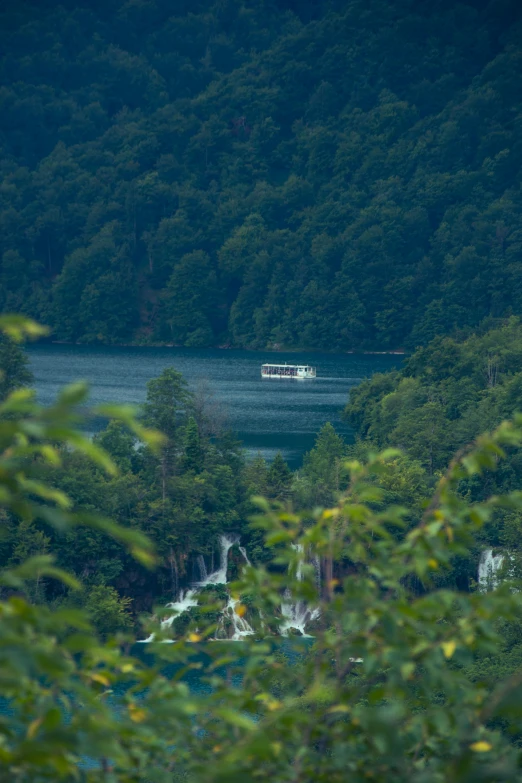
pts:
[299, 371]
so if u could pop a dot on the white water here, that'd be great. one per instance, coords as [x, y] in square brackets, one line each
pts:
[241, 626]
[189, 598]
[186, 600]
[244, 553]
[297, 615]
[489, 566]
[219, 577]
[202, 568]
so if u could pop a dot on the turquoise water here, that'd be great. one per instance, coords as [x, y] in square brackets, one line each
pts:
[292, 650]
[268, 415]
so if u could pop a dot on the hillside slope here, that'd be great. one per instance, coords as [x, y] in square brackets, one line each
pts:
[331, 175]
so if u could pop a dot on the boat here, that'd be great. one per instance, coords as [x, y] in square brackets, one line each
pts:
[299, 371]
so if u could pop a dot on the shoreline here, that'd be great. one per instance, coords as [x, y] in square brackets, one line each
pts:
[398, 352]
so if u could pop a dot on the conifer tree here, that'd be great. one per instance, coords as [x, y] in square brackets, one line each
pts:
[279, 479]
[193, 453]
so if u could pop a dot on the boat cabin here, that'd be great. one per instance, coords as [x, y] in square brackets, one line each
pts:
[299, 371]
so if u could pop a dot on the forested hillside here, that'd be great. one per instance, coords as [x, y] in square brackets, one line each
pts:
[326, 174]
[446, 395]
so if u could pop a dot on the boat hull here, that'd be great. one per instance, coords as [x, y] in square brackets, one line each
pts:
[299, 372]
[289, 377]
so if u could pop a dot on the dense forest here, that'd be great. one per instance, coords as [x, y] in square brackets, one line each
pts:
[324, 174]
[445, 395]
[413, 670]
[196, 489]
[200, 486]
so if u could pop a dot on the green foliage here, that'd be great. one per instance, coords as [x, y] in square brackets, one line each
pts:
[167, 398]
[107, 611]
[321, 174]
[183, 493]
[193, 458]
[444, 395]
[279, 478]
[13, 367]
[398, 684]
[323, 473]
[192, 300]
[119, 443]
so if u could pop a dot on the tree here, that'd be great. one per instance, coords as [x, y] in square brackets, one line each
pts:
[279, 478]
[375, 670]
[167, 401]
[322, 467]
[425, 433]
[210, 176]
[393, 687]
[444, 395]
[31, 542]
[193, 456]
[256, 475]
[120, 443]
[13, 367]
[107, 611]
[43, 666]
[192, 300]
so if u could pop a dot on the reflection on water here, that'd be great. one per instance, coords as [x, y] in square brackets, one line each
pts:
[267, 414]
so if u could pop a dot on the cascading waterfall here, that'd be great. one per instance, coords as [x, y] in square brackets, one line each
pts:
[488, 569]
[244, 553]
[202, 568]
[241, 626]
[219, 577]
[297, 615]
[189, 598]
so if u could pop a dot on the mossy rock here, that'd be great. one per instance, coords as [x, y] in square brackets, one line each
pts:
[315, 626]
[225, 629]
[236, 561]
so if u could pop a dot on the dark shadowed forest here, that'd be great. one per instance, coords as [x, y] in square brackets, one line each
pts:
[324, 174]
[339, 175]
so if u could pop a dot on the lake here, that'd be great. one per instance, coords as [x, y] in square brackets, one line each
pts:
[268, 415]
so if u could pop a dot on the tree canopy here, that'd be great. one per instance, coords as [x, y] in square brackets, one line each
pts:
[397, 685]
[330, 175]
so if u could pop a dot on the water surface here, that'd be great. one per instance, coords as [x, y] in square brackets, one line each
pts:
[268, 415]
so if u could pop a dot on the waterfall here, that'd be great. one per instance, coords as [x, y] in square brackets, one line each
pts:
[202, 568]
[489, 566]
[186, 599]
[241, 626]
[189, 598]
[244, 553]
[297, 615]
[219, 577]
